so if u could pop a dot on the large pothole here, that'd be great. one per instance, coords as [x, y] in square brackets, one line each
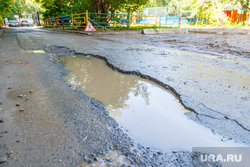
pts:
[148, 113]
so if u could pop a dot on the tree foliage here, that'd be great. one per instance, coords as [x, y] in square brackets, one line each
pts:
[210, 10]
[205, 9]
[64, 7]
[5, 7]
[22, 7]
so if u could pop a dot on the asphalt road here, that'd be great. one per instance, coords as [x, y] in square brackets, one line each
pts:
[210, 73]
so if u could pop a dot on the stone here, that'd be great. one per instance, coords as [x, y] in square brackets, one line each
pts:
[8, 153]
[92, 155]
[3, 159]
[109, 159]
[90, 162]
[128, 153]
[21, 110]
[159, 153]
[85, 158]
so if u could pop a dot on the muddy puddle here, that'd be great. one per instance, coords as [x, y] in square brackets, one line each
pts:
[148, 113]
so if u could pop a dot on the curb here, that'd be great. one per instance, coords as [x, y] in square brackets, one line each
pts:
[164, 31]
[98, 33]
[160, 31]
[201, 31]
[220, 31]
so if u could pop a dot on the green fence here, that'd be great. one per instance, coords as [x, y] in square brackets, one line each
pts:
[80, 20]
[108, 19]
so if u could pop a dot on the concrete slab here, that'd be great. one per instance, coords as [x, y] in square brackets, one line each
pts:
[163, 31]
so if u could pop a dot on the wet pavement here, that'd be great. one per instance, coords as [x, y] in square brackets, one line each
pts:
[191, 65]
[56, 125]
[40, 127]
[148, 113]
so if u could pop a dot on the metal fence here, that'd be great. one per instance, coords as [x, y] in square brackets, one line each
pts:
[80, 20]
[155, 11]
[172, 21]
[109, 19]
[66, 21]
[136, 20]
[59, 21]
[47, 22]
[52, 21]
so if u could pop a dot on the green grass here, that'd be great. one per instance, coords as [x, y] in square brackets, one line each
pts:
[131, 28]
[46, 26]
[205, 25]
[239, 25]
[65, 28]
[188, 25]
[115, 28]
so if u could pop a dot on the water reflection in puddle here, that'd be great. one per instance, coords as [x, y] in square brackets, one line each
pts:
[150, 115]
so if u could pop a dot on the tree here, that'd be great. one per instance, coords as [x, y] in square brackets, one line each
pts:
[17, 9]
[5, 7]
[245, 5]
[59, 7]
[22, 7]
[133, 5]
[157, 3]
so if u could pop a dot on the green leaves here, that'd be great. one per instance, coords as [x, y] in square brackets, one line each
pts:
[65, 7]
[5, 7]
[17, 7]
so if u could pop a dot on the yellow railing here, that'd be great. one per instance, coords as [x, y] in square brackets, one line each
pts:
[137, 20]
[80, 19]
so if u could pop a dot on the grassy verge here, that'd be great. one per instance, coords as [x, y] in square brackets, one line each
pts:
[113, 28]
[131, 28]
[240, 25]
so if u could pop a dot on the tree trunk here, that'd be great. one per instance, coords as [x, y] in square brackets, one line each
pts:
[245, 7]
[215, 13]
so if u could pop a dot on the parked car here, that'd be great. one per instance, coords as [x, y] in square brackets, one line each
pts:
[14, 23]
[25, 23]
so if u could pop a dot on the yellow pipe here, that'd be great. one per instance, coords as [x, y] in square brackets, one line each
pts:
[232, 12]
[129, 20]
[79, 17]
[87, 17]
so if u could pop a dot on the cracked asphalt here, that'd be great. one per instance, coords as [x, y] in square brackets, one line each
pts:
[211, 73]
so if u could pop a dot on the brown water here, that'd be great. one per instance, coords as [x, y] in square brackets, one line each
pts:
[149, 114]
